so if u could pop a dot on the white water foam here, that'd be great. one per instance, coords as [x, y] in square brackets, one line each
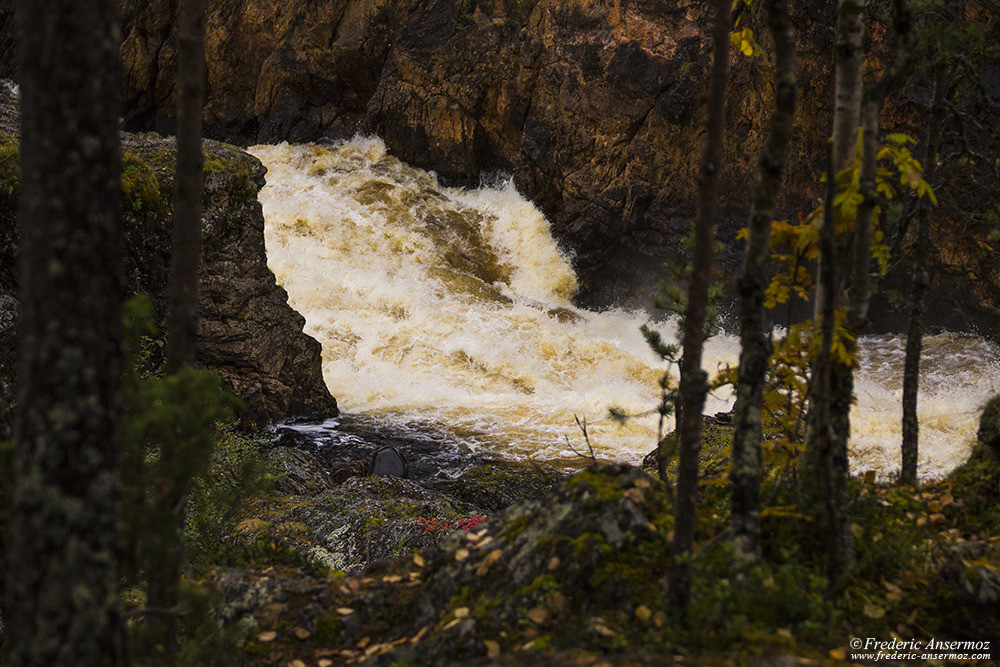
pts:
[451, 310]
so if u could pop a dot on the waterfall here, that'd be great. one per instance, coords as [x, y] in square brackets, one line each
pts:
[449, 311]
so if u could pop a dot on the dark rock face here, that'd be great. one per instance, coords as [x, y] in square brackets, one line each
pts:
[247, 332]
[989, 427]
[594, 106]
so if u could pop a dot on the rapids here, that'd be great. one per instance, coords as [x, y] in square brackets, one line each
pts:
[448, 312]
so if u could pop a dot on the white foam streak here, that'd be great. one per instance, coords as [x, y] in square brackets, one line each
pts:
[451, 309]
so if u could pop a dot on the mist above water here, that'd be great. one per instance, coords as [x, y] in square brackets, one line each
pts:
[449, 311]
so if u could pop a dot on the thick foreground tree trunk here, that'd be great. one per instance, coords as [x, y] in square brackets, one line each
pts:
[755, 346]
[693, 381]
[62, 586]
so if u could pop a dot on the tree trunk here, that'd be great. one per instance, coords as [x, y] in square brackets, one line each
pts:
[921, 281]
[62, 586]
[825, 477]
[755, 346]
[182, 317]
[847, 100]
[693, 381]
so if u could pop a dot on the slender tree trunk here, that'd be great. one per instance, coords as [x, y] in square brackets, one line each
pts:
[182, 316]
[847, 100]
[755, 346]
[693, 381]
[921, 281]
[62, 586]
[825, 478]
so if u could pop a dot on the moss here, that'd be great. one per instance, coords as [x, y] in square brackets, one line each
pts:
[10, 177]
[373, 522]
[10, 168]
[328, 626]
[140, 189]
[229, 160]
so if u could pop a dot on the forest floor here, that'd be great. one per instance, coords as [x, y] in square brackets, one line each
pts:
[578, 575]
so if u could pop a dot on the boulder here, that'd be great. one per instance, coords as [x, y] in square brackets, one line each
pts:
[247, 332]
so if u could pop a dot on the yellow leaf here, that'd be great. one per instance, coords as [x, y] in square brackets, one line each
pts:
[492, 648]
[872, 610]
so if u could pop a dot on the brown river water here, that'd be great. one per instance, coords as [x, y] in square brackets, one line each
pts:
[448, 312]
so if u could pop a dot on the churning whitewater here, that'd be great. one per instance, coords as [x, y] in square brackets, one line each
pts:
[450, 311]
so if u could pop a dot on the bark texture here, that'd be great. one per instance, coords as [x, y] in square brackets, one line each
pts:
[755, 347]
[825, 477]
[694, 381]
[182, 318]
[62, 598]
[921, 282]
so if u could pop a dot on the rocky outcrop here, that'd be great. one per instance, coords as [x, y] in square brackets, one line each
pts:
[594, 106]
[247, 332]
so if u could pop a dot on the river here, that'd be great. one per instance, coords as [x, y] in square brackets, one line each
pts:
[448, 313]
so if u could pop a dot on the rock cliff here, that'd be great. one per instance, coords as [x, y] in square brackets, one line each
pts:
[247, 331]
[594, 106]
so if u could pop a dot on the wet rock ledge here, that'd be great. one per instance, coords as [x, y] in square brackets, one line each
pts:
[247, 332]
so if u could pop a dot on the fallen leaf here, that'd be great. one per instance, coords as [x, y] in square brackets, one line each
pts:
[325, 662]
[267, 636]
[302, 634]
[418, 560]
[557, 600]
[838, 654]
[296, 663]
[392, 579]
[462, 612]
[785, 634]
[461, 555]
[872, 610]
[488, 561]
[553, 563]
[538, 615]
[643, 613]
[934, 506]
[597, 625]
[345, 611]
[365, 641]
[492, 648]
[937, 518]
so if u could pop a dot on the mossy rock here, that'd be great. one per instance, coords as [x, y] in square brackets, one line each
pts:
[496, 485]
[989, 427]
[568, 572]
